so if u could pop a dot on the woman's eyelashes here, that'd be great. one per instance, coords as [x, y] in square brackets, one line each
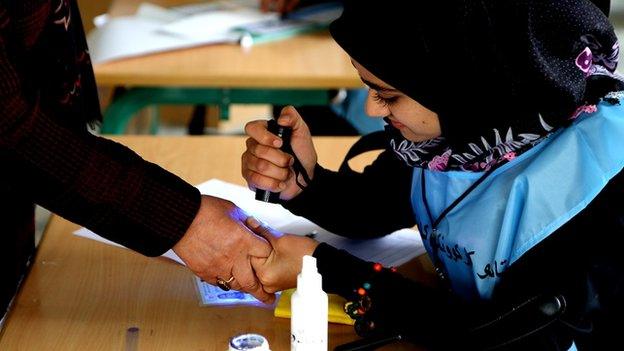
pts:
[384, 100]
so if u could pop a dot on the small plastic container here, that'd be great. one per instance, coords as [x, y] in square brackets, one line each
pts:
[249, 342]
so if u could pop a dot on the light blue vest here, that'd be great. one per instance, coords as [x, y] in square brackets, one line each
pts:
[519, 204]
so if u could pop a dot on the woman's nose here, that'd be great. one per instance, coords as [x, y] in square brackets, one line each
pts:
[375, 108]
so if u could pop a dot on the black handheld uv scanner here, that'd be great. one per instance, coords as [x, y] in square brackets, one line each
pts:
[284, 133]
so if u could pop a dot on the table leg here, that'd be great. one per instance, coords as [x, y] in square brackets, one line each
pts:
[125, 106]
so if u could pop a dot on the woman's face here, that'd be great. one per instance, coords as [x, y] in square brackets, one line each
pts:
[416, 122]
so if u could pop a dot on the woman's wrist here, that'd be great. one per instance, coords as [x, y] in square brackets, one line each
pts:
[304, 181]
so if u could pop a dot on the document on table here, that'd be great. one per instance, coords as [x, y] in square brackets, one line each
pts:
[390, 250]
[210, 295]
[156, 29]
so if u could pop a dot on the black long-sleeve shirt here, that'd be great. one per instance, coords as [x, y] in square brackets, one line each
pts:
[371, 204]
[580, 261]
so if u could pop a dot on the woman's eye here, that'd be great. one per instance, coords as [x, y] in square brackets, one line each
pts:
[385, 101]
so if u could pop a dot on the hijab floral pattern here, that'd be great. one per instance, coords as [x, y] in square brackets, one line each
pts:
[436, 155]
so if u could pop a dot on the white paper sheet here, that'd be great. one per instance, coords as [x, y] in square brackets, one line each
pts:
[156, 29]
[86, 233]
[124, 37]
[214, 23]
[391, 250]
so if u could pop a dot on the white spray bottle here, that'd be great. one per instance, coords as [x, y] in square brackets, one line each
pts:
[308, 324]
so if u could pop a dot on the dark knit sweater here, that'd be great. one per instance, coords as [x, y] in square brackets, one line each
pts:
[48, 156]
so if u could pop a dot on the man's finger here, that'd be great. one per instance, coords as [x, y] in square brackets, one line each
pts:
[249, 283]
[258, 265]
[259, 247]
[264, 231]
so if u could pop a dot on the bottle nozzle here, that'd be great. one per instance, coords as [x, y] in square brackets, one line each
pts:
[309, 278]
[309, 265]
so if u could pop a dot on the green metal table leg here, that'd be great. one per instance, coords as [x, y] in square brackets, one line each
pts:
[123, 109]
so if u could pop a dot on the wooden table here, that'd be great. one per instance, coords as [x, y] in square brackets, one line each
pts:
[298, 70]
[85, 295]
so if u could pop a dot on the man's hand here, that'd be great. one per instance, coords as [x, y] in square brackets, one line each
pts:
[279, 271]
[219, 245]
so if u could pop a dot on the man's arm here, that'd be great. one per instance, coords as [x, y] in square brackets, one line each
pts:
[110, 189]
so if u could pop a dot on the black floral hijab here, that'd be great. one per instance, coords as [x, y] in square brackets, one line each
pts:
[501, 75]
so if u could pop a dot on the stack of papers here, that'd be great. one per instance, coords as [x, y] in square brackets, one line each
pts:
[390, 250]
[156, 29]
[303, 20]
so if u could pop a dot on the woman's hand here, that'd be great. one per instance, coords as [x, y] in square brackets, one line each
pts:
[279, 271]
[265, 166]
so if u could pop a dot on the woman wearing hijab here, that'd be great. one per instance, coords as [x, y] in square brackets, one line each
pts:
[505, 145]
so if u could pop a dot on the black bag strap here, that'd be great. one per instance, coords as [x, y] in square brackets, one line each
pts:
[519, 322]
[369, 142]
